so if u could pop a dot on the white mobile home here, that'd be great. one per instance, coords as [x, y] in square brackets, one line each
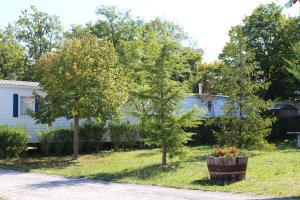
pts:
[16, 97]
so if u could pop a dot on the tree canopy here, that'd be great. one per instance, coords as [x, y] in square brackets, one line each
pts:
[82, 80]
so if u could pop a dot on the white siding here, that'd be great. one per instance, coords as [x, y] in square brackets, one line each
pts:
[6, 113]
[194, 101]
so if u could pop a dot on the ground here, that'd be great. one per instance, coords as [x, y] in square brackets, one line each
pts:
[275, 173]
[32, 186]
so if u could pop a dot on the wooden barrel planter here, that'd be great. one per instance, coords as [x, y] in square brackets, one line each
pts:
[227, 169]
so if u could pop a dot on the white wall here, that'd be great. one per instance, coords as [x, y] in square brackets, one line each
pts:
[194, 101]
[6, 113]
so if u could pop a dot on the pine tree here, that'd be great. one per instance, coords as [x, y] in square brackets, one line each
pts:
[166, 129]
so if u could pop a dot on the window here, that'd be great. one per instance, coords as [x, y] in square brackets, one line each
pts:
[26, 105]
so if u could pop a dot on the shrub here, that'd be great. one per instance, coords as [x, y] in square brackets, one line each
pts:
[60, 141]
[57, 141]
[92, 136]
[13, 141]
[203, 133]
[248, 132]
[123, 135]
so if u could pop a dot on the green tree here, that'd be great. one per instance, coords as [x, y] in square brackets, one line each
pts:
[293, 66]
[117, 25]
[164, 128]
[243, 124]
[12, 56]
[82, 80]
[78, 31]
[39, 32]
[270, 34]
[208, 74]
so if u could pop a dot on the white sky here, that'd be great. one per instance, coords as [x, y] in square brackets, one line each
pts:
[207, 21]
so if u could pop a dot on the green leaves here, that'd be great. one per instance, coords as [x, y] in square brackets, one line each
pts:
[293, 66]
[39, 31]
[12, 57]
[243, 124]
[82, 78]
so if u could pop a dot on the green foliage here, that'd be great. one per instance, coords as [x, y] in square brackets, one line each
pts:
[13, 141]
[208, 74]
[293, 66]
[60, 141]
[270, 34]
[92, 136]
[57, 142]
[123, 135]
[114, 24]
[12, 59]
[243, 124]
[82, 80]
[78, 31]
[38, 31]
[163, 128]
[248, 132]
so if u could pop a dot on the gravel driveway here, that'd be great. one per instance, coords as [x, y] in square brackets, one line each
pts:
[32, 186]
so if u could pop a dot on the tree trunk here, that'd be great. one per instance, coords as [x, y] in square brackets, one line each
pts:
[76, 138]
[164, 156]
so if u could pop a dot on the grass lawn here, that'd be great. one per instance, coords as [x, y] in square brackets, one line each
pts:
[269, 173]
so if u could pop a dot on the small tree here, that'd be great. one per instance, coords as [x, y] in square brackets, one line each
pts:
[82, 81]
[243, 124]
[164, 128]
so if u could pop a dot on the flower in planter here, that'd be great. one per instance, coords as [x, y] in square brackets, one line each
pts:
[227, 152]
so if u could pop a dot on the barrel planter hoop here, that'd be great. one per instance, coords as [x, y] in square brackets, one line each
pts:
[227, 169]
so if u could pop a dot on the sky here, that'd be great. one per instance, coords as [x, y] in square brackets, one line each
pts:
[206, 21]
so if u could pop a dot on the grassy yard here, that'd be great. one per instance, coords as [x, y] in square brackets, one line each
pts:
[269, 173]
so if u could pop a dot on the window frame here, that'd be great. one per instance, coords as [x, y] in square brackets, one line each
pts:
[32, 108]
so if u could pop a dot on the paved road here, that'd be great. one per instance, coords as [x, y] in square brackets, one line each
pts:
[32, 186]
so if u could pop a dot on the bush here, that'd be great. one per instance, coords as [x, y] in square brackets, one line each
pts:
[13, 141]
[248, 132]
[60, 141]
[92, 136]
[203, 133]
[57, 141]
[123, 135]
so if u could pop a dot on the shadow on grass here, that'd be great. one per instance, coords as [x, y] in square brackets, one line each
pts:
[208, 182]
[105, 178]
[146, 154]
[139, 174]
[27, 165]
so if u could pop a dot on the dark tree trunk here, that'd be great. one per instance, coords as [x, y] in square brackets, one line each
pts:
[76, 138]
[164, 156]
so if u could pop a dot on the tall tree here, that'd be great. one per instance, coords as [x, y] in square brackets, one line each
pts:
[117, 25]
[12, 56]
[82, 80]
[243, 124]
[39, 32]
[270, 35]
[165, 129]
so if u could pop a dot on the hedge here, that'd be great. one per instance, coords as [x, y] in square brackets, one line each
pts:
[13, 141]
